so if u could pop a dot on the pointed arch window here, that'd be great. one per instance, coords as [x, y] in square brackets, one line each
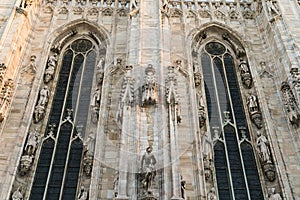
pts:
[235, 165]
[58, 168]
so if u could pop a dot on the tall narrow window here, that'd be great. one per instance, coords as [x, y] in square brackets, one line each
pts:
[58, 167]
[235, 165]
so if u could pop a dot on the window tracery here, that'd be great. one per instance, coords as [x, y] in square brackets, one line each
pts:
[57, 157]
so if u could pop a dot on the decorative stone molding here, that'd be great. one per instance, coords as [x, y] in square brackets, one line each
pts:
[220, 10]
[239, 51]
[2, 72]
[290, 104]
[5, 97]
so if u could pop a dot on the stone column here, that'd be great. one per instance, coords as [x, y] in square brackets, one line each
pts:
[123, 163]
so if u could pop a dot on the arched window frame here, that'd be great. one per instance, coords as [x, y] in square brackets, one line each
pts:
[48, 131]
[198, 50]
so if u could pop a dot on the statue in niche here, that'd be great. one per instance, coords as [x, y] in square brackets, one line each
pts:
[88, 153]
[252, 104]
[148, 172]
[32, 65]
[149, 89]
[212, 194]
[83, 194]
[290, 104]
[96, 98]
[245, 73]
[100, 71]
[5, 97]
[32, 141]
[207, 146]
[207, 162]
[51, 65]
[253, 110]
[201, 106]
[262, 144]
[274, 196]
[17, 195]
[197, 78]
[25, 164]
[44, 96]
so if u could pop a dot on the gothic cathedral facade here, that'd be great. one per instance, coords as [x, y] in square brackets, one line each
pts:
[150, 99]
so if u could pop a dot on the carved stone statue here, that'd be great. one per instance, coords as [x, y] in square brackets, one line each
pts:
[245, 73]
[44, 96]
[274, 196]
[17, 195]
[212, 194]
[96, 98]
[252, 104]
[89, 148]
[148, 172]
[49, 72]
[83, 194]
[89, 145]
[32, 65]
[149, 96]
[197, 79]
[32, 141]
[25, 164]
[290, 104]
[5, 97]
[269, 171]
[100, 71]
[262, 144]
[39, 113]
[207, 146]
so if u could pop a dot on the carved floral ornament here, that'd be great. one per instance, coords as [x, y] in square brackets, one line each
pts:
[220, 10]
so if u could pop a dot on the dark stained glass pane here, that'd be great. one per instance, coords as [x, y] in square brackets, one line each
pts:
[212, 106]
[58, 167]
[56, 109]
[222, 89]
[222, 172]
[251, 171]
[234, 157]
[215, 48]
[42, 170]
[72, 175]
